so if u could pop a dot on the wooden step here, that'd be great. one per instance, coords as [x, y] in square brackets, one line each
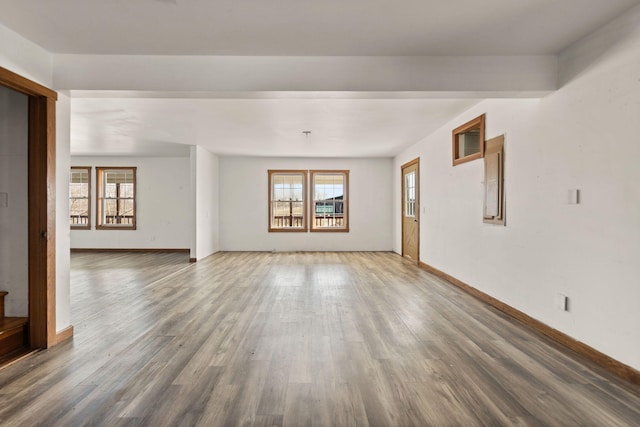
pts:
[13, 335]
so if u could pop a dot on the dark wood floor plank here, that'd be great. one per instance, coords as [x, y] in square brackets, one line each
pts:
[291, 339]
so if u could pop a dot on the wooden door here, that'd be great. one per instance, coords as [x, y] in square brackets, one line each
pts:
[411, 210]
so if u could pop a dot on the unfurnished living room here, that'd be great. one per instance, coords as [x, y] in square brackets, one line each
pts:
[336, 213]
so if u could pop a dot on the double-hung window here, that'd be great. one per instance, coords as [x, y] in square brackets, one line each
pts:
[116, 198]
[287, 200]
[324, 207]
[79, 201]
[330, 208]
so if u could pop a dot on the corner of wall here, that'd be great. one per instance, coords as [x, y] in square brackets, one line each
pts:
[63, 236]
[597, 46]
[25, 57]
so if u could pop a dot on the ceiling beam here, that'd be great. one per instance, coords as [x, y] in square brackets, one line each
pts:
[525, 76]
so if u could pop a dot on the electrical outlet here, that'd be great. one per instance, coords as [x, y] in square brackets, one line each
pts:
[4, 200]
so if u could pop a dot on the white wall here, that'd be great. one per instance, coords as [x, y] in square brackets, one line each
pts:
[207, 229]
[584, 136]
[244, 206]
[25, 57]
[63, 276]
[163, 205]
[14, 245]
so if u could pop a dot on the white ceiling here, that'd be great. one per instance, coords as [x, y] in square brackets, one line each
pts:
[346, 124]
[340, 127]
[308, 27]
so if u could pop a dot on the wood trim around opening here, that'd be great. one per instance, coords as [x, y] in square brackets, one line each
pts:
[100, 170]
[42, 291]
[42, 207]
[494, 150]
[416, 162]
[478, 122]
[312, 202]
[614, 366]
[25, 86]
[305, 220]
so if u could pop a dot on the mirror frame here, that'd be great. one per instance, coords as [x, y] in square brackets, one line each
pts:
[477, 123]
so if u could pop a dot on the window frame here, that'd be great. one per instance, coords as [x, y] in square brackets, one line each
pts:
[345, 202]
[477, 123]
[287, 229]
[86, 226]
[100, 225]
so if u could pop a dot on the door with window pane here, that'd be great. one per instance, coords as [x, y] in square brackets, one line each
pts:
[411, 210]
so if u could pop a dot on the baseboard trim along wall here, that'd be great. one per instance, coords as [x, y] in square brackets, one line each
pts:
[63, 335]
[612, 365]
[128, 250]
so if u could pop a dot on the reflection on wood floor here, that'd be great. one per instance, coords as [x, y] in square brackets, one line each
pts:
[335, 339]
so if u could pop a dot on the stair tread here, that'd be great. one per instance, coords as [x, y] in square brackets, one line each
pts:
[12, 323]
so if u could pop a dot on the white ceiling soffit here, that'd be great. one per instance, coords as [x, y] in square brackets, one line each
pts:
[295, 27]
[234, 108]
[340, 127]
[510, 74]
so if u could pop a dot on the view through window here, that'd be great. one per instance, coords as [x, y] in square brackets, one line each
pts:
[325, 206]
[79, 193]
[330, 200]
[116, 198]
[287, 205]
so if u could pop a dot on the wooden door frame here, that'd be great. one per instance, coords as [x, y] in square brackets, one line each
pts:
[42, 205]
[416, 162]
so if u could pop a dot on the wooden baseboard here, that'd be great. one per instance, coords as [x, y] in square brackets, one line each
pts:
[614, 366]
[63, 335]
[181, 250]
[193, 260]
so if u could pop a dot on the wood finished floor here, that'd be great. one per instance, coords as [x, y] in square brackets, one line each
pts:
[295, 339]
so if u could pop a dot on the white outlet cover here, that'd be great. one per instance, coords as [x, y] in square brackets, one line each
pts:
[574, 197]
[4, 200]
[563, 302]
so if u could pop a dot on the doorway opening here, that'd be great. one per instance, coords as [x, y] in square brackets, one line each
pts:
[38, 230]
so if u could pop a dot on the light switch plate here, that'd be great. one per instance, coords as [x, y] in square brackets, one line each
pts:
[574, 197]
[563, 302]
